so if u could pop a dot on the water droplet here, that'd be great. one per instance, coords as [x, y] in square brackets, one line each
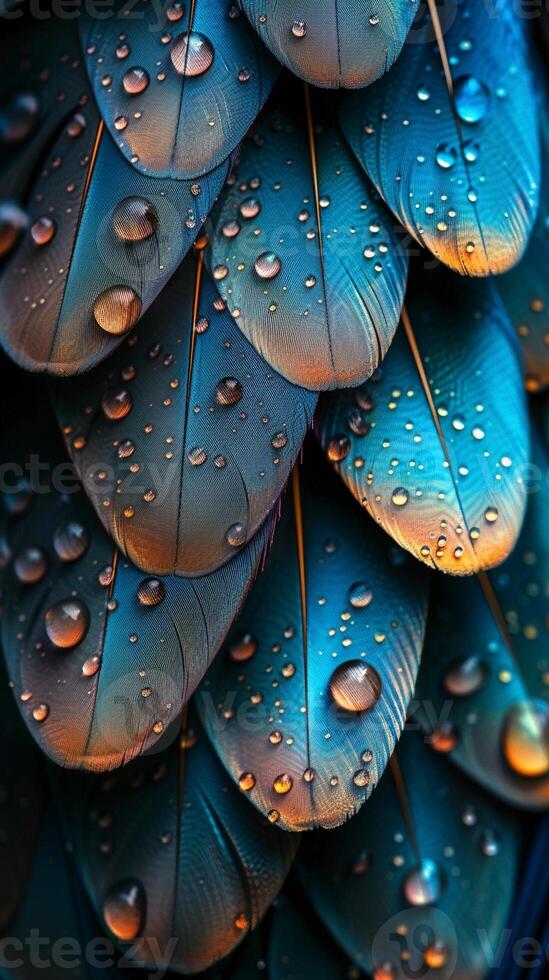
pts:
[491, 515]
[242, 648]
[489, 844]
[19, 119]
[445, 737]
[135, 219]
[231, 229]
[471, 151]
[191, 54]
[135, 81]
[116, 404]
[279, 440]
[267, 265]
[422, 885]
[361, 778]
[151, 591]
[91, 666]
[67, 623]
[423, 93]
[30, 565]
[250, 208]
[471, 99]
[41, 712]
[446, 156]
[43, 230]
[283, 784]
[465, 677]
[13, 221]
[355, 686]
[435, 955]
[228, 391]
[400, 497]
[76, 125]
[246, 781]
[338, 448]
[70, 541]
[124, 910]
[117, 309]
[197, 456]
[526, 738]
[236, 536]
[120, 123]
[359, 595]
[299, 29]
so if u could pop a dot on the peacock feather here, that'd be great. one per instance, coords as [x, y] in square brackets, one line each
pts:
[274, 437]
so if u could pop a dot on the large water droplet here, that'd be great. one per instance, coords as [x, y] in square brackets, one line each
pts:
[116, 404]
[267, 265]
[526, 738]
[299, 29]
[124, 910]
[228, 391]
[30, 565]
[422, 885]
[191, 54]
[151, 591]
[400, 497]
[359, 595]
[71, 541]
[117, 309]
[355, 686]
[135, 219]
[135, 81]
[471, 98]
[465, 677]
[67, 623]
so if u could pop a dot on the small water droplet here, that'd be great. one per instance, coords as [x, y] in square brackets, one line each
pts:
[71, 541]
[67, 623]
[299, 29]
[124, 910]
[151, 591]
[236, 536]
[242, 648]
[400, 497]
[91, 666]
[117, 309]
[30, 565]
[116, 404]
[465, 677]
[446, 156]
[246, 781]
[43, 230]
[283, 784]
[228, 391]
[338, 448]
[359, 595]
[422, 885]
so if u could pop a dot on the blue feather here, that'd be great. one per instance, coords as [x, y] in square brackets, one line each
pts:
[187, 866]
[423, 878]
[429, 445]
[306, 701]
[197, 435]
[491, 674]
[459, 169]
[101, 657]
[318, 293]
[197, 77]
[336, 43]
